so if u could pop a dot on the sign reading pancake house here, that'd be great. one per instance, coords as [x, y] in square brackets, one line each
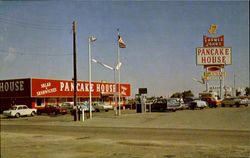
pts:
[58, 88]
[214, 55]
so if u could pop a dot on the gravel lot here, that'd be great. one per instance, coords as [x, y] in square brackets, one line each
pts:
[219, 133]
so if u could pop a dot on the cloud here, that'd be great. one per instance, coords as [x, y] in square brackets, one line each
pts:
[11, 56]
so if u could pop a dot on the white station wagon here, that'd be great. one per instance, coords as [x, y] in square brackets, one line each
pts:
[19, 110]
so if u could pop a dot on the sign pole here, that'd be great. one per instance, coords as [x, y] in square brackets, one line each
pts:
[75, 72]
[90, 97]
[119, 76]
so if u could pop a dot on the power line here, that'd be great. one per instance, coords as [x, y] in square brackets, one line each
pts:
[29, 24]
[2, 51]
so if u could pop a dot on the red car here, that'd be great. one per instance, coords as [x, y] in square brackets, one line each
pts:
[212, 102]
[52, 110]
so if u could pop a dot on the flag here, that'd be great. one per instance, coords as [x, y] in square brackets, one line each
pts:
[121, 42]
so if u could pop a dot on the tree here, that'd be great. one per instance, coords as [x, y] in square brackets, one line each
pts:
[247, 91]
[176, 95]
[184, 94]
[238, 93]
[188, 93]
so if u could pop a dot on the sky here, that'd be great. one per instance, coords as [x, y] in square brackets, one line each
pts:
[36, 41]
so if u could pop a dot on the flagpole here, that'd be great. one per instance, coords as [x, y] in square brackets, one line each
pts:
[119, 96]
[90, 96]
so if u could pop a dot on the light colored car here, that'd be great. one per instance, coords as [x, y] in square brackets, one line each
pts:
[19, 110]
[245, 101]
[198, 104]
[231, 101]
[173, 104]
[99, 106]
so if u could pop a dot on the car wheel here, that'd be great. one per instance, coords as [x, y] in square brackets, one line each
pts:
[237, 105]
[106, 110]
[17, 115]
[32, 113]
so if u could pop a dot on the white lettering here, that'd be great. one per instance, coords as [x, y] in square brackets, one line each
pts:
[98, 87]
[87, 87]
[1, 87]
[6, 87]
[82, 87]
[102, 88]
[66, 86]
[21, 85]
[92, 87]
[72, 86]
[107, 88]
[12, 87]
[61, 86]
[77, 87]
[17, 86]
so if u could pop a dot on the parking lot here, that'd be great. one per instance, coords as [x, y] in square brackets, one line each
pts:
[211, 132]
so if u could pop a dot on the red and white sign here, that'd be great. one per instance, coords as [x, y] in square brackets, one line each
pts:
[213, 41]
[214, 56]
[32, 87]
[63, 88]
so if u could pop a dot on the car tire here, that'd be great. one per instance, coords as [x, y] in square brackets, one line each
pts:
[162, 109]
[32, 113]
[237, 105]
[17, 115]
[106, 110]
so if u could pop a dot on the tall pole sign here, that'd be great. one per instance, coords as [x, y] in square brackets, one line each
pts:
[214, 56]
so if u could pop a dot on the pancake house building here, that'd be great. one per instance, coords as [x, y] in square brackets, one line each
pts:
[38, 93]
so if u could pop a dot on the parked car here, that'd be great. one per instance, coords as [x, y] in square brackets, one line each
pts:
[187, 101]
[212, 102]
[173, 104]
[81, 105]
[99, 106]
[245, 101]
[160, 104]
[130, 104]
[68, 105]
[19, 110]
[231, 101]
[198, 104]
[52, 110]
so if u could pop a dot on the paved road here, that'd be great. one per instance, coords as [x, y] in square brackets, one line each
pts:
[60, 137]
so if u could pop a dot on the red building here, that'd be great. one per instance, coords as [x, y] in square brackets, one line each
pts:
[38, 93]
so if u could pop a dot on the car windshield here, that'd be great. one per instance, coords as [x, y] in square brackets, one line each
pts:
[172, 101]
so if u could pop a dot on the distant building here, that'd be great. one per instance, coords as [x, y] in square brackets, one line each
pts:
[38, 93]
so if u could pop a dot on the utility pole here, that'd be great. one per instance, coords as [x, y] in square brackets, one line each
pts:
[234, 91]
[75, 72]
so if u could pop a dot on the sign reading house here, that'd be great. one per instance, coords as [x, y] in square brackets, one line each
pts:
[214, 55]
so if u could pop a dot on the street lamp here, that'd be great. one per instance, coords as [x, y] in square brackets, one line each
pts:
[91, 39]
[117, 67]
